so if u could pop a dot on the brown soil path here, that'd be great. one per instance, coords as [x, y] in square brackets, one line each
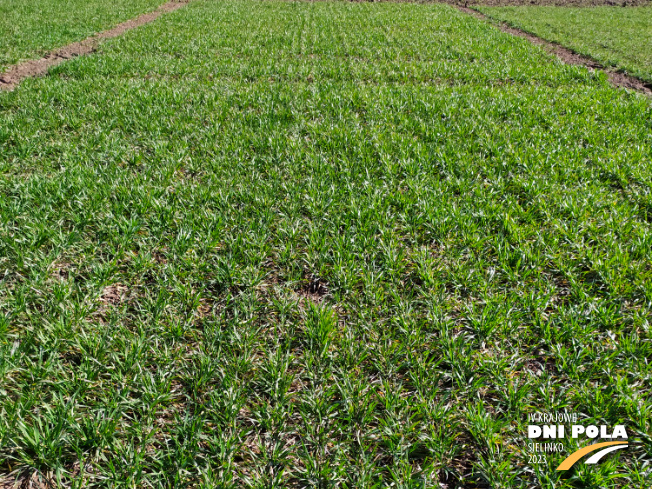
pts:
[37, 67]
[617, 78]
[16, 73]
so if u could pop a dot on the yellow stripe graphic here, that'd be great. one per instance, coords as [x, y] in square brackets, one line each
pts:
[575, 456]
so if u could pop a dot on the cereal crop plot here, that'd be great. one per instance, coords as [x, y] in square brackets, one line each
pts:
[30, 28]
[277, 244]
[619, 37]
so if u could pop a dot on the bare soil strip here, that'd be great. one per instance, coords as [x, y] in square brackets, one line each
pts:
[568, 56]
[37, 67]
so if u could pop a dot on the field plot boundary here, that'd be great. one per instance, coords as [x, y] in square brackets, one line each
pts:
[39, 67]
[617, 78]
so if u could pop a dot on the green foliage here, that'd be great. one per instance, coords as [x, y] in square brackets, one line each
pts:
[30, 28]
[620, 37]
[267, 244]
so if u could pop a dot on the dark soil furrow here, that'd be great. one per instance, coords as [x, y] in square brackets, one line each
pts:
[566, 55]
[38, 67]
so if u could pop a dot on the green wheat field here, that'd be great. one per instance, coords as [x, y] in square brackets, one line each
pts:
[263, 244]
